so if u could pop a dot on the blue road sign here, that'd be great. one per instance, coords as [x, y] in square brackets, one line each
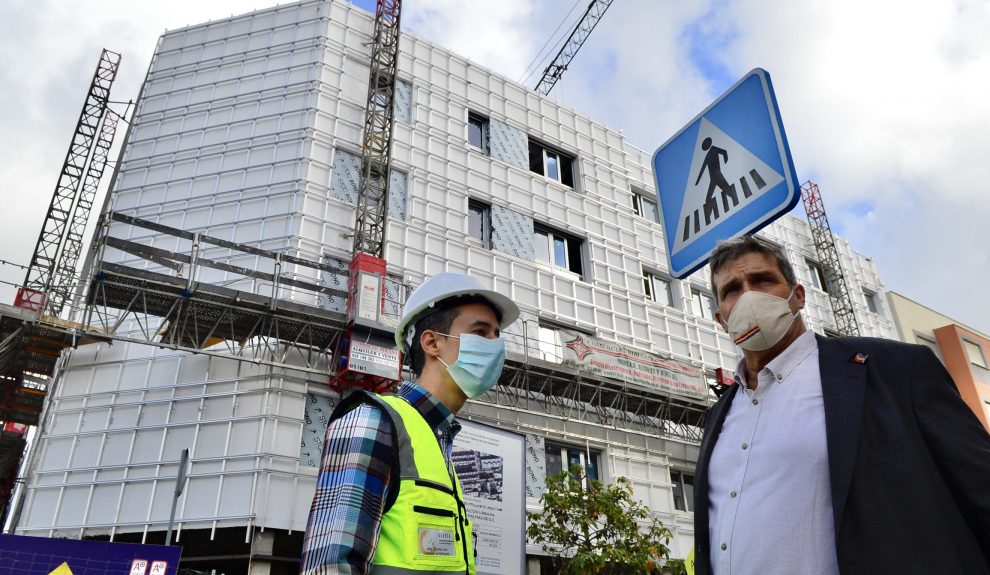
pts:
[727, 173]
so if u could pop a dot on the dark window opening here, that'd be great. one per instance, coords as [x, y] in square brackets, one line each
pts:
[480, 222]
[478, 132]
[645, 207]
[561, 458]
[657, 288]
[558, 249]
[683, 490]
[550, 163]
[818, 278]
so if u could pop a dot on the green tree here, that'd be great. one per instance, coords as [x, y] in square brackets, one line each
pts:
[591, 528]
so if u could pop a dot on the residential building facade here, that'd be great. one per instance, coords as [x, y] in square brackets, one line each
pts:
[962, 349]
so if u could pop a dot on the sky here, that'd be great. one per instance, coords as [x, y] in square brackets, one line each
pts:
[883, 102]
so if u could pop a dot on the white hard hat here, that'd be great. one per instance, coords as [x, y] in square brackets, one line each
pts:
[445, 286]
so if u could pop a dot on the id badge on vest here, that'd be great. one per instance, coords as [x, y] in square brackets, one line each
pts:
[436, 541]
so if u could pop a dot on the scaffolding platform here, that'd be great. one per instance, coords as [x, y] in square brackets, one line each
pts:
[205, 315]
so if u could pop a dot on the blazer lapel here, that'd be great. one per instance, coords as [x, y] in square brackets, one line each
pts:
[713, 427]
[843, 389]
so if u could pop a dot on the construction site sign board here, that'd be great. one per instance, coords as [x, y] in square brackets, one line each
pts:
[24, 555]
[727, 173]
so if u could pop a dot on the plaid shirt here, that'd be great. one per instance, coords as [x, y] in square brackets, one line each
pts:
[351, 488]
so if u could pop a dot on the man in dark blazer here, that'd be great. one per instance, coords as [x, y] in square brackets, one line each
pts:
[832, 455]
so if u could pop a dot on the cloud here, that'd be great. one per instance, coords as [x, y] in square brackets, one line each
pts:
[48, 53]
[885, 102]
[489, 30]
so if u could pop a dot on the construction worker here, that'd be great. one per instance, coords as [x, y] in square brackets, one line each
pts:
[387, 497]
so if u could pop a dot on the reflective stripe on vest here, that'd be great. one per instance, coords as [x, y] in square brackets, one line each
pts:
[426, 531]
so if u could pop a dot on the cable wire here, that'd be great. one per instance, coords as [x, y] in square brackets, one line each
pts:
[537, 60]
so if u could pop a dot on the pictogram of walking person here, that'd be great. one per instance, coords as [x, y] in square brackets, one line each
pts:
[713, 163]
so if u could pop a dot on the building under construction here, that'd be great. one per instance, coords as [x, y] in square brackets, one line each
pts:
[219, 274]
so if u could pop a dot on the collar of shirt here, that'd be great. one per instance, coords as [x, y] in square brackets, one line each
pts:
[436, 414]
[781, 366]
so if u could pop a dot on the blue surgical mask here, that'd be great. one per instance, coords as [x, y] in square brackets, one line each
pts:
[479, 363]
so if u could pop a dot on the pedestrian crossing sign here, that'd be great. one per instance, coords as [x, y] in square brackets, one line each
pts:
[727, 173]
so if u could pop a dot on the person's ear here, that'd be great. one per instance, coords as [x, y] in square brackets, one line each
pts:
[799, 296]
[430, 343]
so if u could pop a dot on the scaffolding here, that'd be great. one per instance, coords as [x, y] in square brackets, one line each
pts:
[828, 257]
[154, 298]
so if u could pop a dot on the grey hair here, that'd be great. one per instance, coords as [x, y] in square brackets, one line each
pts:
[730, 250]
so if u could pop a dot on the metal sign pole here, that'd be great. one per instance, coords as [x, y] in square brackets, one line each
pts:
[180, 480]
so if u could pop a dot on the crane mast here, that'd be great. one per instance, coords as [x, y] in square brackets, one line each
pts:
[828, 257]
[46, 283]
[376, 149]
[368, 357]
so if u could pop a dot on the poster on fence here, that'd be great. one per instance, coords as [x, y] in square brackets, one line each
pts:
[637, 367]
[489, 463]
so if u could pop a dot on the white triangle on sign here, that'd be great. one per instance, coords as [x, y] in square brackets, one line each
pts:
[744, 178]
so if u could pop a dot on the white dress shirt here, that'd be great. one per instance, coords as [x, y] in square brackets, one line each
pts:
[770, 501]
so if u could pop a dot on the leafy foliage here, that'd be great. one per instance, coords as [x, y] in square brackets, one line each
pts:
[591, 528]
[676, 566]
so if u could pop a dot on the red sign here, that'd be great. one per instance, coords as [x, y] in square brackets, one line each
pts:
[725, 377]
[30, 299]
[15, 427]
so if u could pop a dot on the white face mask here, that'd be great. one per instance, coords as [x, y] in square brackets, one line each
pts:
[760, 320]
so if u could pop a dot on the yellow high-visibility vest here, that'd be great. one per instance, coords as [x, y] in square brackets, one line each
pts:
[427, 530]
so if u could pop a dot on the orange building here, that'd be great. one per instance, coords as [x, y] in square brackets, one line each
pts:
[963, 350]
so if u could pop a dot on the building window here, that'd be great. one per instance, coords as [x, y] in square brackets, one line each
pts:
[831, 332]
[551, 163]
[975, 353]
[871, 301]
[817, 276]
[657, 288]
[478, 131]
[702, 304]
[645, 206]
[928, 342]
[558, 249]
[562, 457]
[480, 222]
[683, 490]
[548, 342]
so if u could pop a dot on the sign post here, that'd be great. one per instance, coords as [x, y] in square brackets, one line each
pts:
[180, 481]
[727, 173]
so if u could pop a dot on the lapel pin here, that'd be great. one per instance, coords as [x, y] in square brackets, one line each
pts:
[860, 358]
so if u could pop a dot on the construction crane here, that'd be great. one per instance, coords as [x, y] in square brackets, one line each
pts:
[30, 340]
[553, 72]
[828, 257]
[52, 269]
[368, 356]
